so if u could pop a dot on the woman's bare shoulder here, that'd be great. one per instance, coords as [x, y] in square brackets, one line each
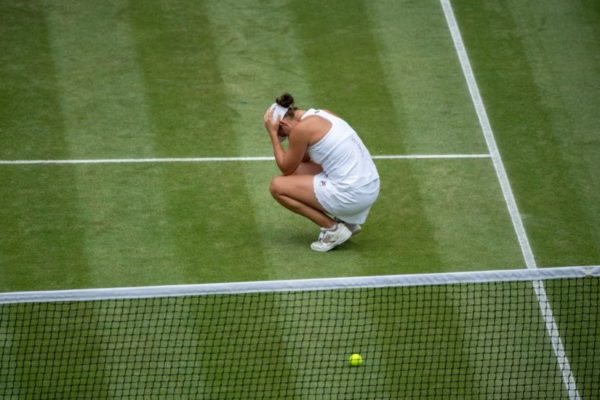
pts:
[312, 128]
[314, 123]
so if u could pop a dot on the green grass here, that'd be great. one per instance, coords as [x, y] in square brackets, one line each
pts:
[538, 73]
[121, 79]
[158, 79]
[155, 224]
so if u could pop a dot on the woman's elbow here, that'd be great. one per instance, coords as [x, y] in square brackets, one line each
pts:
[288, 171]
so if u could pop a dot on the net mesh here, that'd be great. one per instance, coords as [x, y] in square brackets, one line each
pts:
[462, 340]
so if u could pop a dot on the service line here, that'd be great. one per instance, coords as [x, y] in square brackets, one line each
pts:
[222, 159]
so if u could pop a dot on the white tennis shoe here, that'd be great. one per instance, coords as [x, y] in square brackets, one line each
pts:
[354, 228]
[328, 239]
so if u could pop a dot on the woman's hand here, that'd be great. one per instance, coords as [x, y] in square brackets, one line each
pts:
[272, 126]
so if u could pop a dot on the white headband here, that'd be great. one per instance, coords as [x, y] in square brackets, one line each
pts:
[278, 111]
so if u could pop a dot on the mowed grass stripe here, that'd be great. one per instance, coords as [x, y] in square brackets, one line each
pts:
[552, 190]
[31, 125]
[103, 95]
[258, 61]
[423, 78]
[208, 206]
[467, 210]
[105, 112]
[553, 37]
[41, 228]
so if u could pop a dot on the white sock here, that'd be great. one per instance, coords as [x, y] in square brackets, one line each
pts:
[333, 228]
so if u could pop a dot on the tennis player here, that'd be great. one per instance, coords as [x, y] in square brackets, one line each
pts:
[328, 174]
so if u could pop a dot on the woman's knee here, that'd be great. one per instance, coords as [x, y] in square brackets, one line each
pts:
[297, 188]
[276, 186]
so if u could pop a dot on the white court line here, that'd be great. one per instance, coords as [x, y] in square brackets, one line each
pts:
[430, 156]
[489, 136]
[546, 310]
[136, 160]
[222, 159]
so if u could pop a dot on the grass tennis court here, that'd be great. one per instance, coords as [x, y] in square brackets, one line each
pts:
[154, 79]
[135, 80]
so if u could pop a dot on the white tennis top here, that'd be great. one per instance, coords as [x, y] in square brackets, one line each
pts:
[342, 154]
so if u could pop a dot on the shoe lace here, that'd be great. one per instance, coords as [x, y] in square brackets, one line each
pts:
[327, 236]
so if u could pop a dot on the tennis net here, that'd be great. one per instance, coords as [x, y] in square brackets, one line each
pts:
[531, 334]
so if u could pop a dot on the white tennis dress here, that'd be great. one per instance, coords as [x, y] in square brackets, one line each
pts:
[349, 183]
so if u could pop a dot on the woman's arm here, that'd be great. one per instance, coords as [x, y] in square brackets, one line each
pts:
[287, 160]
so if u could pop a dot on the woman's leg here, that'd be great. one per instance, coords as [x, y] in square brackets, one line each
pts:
[296, 193]
[308, 168]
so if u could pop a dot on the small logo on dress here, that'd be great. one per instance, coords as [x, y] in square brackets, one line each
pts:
[323, 183]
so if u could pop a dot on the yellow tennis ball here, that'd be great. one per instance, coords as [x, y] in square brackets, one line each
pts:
[355, 360]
